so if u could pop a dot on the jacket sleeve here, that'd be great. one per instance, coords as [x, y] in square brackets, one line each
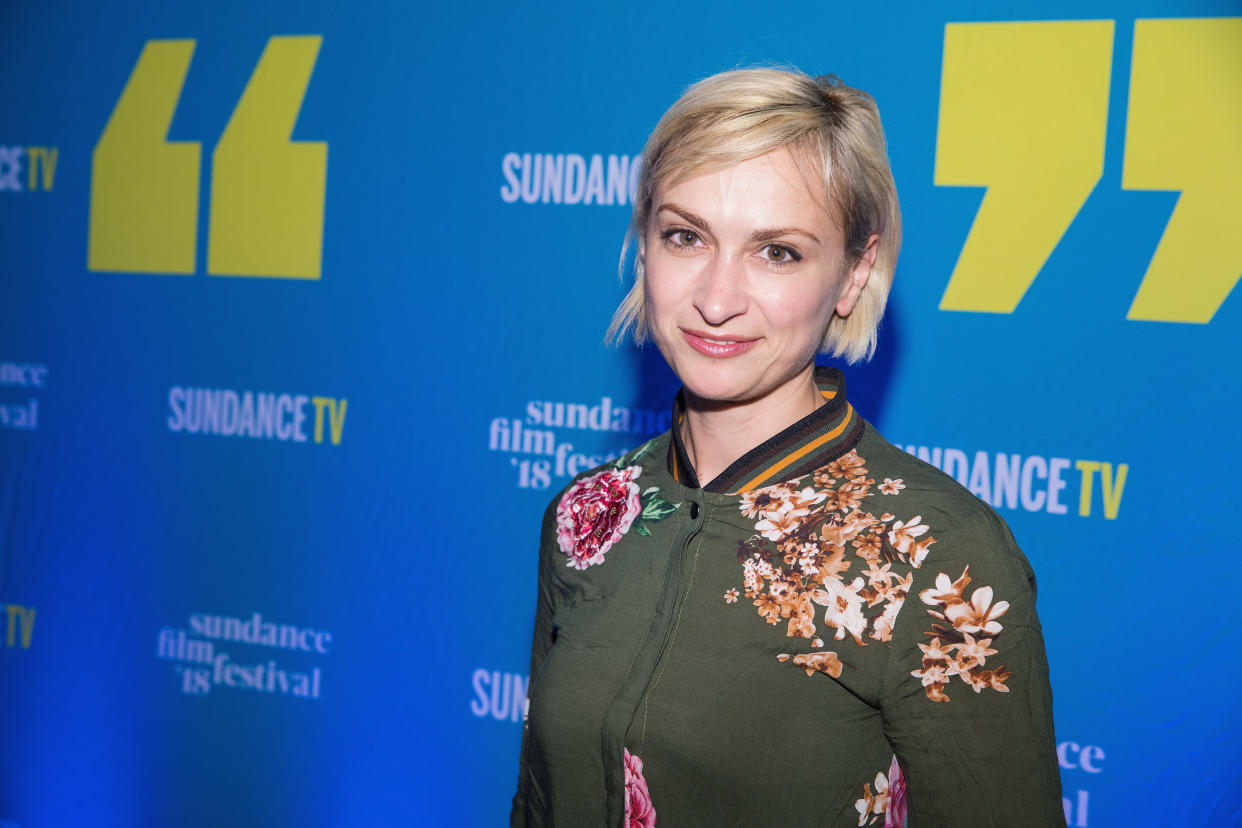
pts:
[966, 699]
[524, 800]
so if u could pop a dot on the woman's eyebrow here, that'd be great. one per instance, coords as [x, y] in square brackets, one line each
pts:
[689, 217]
[759, 235]
[777, 232]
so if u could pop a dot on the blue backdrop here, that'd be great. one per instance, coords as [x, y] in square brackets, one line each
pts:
[300, 329]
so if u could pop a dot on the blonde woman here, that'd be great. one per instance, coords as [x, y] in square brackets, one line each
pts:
[770, 615]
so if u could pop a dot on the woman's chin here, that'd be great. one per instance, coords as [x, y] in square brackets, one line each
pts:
[720, 392]
[725, 388]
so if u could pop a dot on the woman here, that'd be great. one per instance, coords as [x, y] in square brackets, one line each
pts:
[770, 615]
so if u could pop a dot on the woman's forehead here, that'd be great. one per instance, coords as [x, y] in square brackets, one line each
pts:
[778, 187]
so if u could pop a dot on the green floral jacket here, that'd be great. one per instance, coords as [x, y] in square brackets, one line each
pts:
[831, 633]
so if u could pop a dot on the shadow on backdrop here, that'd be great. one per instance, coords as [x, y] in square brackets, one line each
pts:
[867, 383]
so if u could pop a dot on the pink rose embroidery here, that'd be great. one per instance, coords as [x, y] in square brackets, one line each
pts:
[595, 513]
[639, 812]
[895, 816]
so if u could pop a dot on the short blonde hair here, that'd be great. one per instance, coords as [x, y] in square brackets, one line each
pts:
[734, 116]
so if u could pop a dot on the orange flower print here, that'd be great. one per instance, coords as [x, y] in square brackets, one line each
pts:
[801, 619]
[868, 546]
[730, 596]
[962, 623]
[816, 546]
[946, 592]
[825, 566]
[755, 503]
[972, 653]
[843, 608]
[904, 537]
[883, 626]
[879, 576]
[892, 487]
[980, 614]
[981, 679]
[827, 663]
[848, 497]
[780, 525]
[769, 608]
[848, 465]
[935, 674]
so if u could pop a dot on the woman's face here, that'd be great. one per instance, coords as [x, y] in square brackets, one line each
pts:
[743, 270]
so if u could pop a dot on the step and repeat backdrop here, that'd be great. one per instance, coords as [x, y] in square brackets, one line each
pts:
[301, 322]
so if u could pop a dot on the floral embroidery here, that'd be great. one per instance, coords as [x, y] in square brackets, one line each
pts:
[808, 540]
[639, 812]
[595, 513]
[597, 510]
[888, 800]
[965, 623]
[895, 815]
[655, 508]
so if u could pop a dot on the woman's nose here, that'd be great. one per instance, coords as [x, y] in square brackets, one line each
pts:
[721, 291]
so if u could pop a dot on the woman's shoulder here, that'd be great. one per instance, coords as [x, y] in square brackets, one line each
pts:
[921, 494]
[642, 457]
[910, 479]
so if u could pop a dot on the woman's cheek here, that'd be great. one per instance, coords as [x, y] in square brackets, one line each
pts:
[661, 298]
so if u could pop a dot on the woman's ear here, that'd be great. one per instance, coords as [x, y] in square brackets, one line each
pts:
[858, 277]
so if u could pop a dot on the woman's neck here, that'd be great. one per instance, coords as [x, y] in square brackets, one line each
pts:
[716, 434]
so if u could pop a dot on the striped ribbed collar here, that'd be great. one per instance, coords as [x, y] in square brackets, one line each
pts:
[816, 440]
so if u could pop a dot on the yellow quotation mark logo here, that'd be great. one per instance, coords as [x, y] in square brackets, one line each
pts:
[1023, 112]
[267, 192]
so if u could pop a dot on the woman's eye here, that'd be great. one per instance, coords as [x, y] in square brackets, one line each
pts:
[685, 238]
[778, 254]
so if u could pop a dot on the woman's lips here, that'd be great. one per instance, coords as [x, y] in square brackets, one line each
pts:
[719, 347]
